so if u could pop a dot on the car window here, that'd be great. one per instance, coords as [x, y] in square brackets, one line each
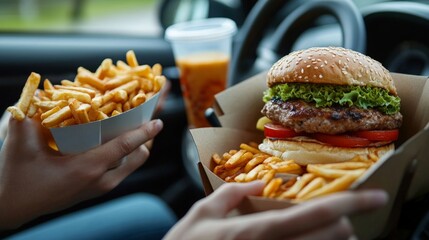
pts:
[94, 16]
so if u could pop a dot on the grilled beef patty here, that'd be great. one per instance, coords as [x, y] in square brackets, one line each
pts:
[305, 117]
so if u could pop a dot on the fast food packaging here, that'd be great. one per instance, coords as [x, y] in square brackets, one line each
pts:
[402, 173]
[82, 137]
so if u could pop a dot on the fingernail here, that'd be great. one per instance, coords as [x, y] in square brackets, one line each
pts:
[379, 197]
[157, 124]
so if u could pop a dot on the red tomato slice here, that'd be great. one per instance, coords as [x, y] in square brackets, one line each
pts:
[379, 135]
[342, 140]
[272, 130]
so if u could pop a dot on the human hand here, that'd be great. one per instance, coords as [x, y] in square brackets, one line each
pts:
[36, 180]
[321, 218]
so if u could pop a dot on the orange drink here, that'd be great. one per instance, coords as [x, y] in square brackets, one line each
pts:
[201, 77]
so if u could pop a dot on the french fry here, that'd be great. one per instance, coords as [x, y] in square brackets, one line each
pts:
[28, 92]
[338, 184]
[254, 162]
[157, 69]
[289, 180]
[109, 91]
[47, 85]
[298, 186]
[78, 115]
[47, 105]
[57, 117]
[67, 122]
[311, 186]
[88, 91]
[217, 159]
[252, 174]
[138, 99]
[126, 106]
[48, 113]
[120, 95]
[142, 71]
[158, 83]
[118, 81]
[66, 82]
[249, 148]
[237, 159]
[91, 80]
[373, 157]
[129, 87]
[118, 108]
[108, 108]
[272, 186]
[131, 59]
[268, 176]
[101, 115]
[146, 84]
[121, 65]
[240, 177]
[115, 112]
[82, 113]
[104, 68]
[332, 173]
[230, 174]
[345, 165]
[32, 110]
[16, 113]
[64, 94]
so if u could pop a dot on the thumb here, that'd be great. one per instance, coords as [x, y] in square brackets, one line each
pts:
[230, 195]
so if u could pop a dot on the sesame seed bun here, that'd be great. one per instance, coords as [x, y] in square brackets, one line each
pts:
[330, 65]
[304, 153]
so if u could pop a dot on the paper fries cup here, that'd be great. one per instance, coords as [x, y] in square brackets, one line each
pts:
[82, 137]
[402, 174]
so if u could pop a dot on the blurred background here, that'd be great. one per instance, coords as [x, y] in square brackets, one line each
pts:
[108, 16]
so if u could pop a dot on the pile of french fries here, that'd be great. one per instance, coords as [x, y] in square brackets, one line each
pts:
[284, 179]
[91, 96]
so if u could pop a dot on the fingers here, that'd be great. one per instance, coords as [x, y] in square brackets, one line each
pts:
[340, 229]
[318, 212]
[25, 134]
[126, 166]
[227, 197]
[119, 147]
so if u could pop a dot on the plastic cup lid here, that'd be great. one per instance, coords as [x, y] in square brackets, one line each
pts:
[204, 29]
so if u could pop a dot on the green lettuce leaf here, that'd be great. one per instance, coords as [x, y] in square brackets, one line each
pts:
[364, 97]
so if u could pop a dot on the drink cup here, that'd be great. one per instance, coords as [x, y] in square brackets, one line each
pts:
[202, 51]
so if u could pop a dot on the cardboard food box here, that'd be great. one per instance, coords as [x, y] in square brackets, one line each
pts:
[82, 137]
[403, 173]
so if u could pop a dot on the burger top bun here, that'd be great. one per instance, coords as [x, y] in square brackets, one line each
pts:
[304, 153]
[330, 65]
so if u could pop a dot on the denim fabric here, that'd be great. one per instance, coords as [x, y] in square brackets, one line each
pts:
[138, 216]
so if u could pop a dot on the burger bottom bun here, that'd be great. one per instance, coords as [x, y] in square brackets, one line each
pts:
[304, 153]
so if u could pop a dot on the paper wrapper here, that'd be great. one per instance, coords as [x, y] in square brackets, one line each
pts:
[402, 174]
[82, 137]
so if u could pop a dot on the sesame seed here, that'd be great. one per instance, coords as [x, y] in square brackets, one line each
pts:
[320, 76]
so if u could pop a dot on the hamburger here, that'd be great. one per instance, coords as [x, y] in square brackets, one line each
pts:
[329, 104]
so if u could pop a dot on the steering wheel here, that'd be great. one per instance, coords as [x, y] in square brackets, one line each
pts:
[402, 44]
[245, 61]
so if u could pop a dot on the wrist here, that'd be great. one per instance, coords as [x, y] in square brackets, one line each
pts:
[10, 217]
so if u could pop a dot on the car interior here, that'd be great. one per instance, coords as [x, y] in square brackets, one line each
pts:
[393, 32]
